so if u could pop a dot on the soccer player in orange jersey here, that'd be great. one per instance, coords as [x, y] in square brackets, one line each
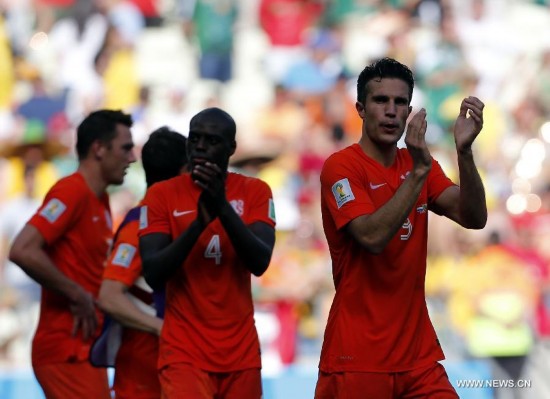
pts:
[125, 295]
[64, 247]
[203, 234]
[379, 342]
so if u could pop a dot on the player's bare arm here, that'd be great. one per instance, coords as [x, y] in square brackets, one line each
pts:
[113, 299]
[161, 256]
[27, 252]
[254, 243]
[466, 204]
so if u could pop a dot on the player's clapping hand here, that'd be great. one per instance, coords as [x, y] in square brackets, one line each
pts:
[415, 139]
[210, 178]
[468, 123]
[207, 211]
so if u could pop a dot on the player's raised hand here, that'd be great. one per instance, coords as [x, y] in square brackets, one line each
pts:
[468, 123]
[211, 179]
[415, 139]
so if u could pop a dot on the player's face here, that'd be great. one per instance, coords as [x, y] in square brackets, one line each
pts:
[385, 110]
[208, 141]
[117, 156]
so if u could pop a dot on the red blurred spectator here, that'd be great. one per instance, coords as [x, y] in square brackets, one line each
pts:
[285, 23]
[150, 11]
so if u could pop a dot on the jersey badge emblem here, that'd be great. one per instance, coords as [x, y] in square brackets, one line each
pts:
[342, 192]
[53, 209]
[124, 255]
[238, 206]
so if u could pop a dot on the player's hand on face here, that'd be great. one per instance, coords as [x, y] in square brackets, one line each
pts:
[468, 123]
[84, 313]
[415, 139]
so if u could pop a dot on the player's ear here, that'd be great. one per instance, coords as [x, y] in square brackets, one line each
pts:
[360, 109]
[233, 147]
[97, 149]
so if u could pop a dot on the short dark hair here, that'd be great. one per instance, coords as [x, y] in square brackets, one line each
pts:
[163, 155]
[384, 68]
[99, 125]
[219, 116]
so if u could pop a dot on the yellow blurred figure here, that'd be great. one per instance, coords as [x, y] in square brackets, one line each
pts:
[32, 150]
[492, 302]
[7, 75]
[121, 81]
[46, 175]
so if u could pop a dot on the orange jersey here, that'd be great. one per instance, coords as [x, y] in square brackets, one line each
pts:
[136, 360]
[77, 228]
[208, 320]
[378, 321]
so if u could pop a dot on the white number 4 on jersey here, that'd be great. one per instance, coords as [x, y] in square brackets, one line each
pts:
[213, 249]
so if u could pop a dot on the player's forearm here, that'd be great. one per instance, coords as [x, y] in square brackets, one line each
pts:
[376, 230]
[252, 250]
[472, 203]
[123, 310]
[160, 265]
[38, 265]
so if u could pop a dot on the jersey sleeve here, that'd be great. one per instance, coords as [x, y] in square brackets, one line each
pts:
[437, 182]
[59, 211]
[153, 217]
[343, 192]
[124, 263]
[262, 208]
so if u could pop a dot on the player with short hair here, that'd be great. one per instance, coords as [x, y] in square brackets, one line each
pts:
[64, 247]
[379, 341]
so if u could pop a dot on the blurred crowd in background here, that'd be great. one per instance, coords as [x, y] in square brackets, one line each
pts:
[286, 70]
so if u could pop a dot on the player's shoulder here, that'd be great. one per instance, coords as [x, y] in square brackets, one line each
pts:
[238, 179]
[168, 185]
[72, 186]
[343, 154]
[74, 179]
[128, 230]
[131, 216]
[341, 158]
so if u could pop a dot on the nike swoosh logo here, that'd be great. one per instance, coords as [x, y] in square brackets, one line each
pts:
[178, 214]
[375, 186]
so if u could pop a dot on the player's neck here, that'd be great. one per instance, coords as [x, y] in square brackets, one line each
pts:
[383, 154]
[92, 177]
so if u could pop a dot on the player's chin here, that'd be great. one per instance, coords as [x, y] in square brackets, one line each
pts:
[387, 140]
[119, 179]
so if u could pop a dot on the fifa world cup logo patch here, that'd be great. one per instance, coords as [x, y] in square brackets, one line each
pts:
[124, 255]
[342, 192]
[53, 210]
